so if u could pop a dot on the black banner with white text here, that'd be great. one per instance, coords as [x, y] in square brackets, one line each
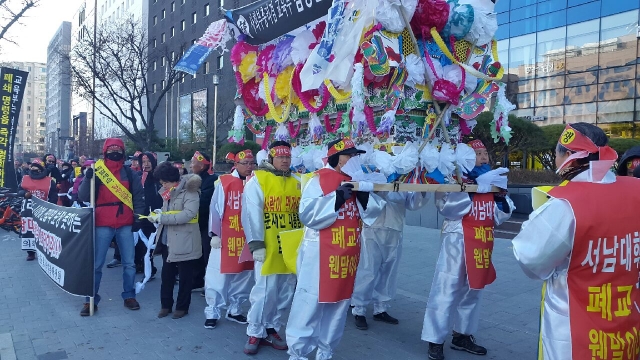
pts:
[64, 243]
[13, 83]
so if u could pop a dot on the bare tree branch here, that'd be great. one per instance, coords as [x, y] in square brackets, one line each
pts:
[122, 95]
[14, 16]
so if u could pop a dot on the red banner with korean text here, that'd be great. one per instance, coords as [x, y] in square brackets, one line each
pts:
[12, 90]
[477, 228]
[604, 269]
[232, 233]
[339, 244]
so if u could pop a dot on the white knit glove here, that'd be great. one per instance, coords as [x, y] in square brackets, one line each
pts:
[154, 217]
[216, 242]
[260, 255]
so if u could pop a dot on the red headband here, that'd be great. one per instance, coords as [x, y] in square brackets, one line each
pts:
[476, 144]
[280, 151]
[632, 164]
[201, 158]
[341, 145]
[244, 154]
[582, 146]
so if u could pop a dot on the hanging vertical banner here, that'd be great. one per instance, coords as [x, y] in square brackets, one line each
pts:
[65, 247]
[265, 20]
[215, 37]
[13, 84]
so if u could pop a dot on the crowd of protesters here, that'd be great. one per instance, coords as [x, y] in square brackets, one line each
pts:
[232, 238]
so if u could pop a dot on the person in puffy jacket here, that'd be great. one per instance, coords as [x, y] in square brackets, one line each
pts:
[179, 241]
[115, 206]
[41, 185]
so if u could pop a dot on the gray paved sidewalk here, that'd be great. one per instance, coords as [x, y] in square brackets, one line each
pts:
[44, 321]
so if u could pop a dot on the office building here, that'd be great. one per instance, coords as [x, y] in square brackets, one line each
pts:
[58, 110]
[30, 134]
[188, 107]
[572, 60]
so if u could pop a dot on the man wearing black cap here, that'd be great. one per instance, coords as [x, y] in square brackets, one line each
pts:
[328, 256]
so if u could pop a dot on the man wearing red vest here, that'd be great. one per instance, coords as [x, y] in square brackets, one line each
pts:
[228, 281]
[119, 195]
[328, 256]
[40, 185]
[584, 242]
[464, 265]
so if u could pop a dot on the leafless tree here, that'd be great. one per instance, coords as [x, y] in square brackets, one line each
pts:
[203, 128]
[122, 93]
[10, 14]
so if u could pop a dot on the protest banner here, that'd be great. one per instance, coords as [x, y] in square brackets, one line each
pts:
[14, 83]
[65, 246]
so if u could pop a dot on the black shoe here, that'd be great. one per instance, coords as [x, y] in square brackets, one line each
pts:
[86, 309]
[384, 317]
[467, 343]
[131, 304]
[361, 323]
[240, 319]
[210, 323]
[436, 351]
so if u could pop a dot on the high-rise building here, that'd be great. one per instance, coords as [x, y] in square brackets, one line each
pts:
[572, 60]
[188, 106]
[108, 11]
[30, 133]
[58, 111]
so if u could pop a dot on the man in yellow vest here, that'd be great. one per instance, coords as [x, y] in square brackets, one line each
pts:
[269, 206]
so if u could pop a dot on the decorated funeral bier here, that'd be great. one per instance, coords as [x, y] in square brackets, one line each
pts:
[404, 79]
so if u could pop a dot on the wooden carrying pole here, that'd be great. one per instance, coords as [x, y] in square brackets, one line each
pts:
[395, 187]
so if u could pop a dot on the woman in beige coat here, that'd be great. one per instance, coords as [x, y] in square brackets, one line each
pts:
[179, 241]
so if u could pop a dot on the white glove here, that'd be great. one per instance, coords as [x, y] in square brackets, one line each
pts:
[365, 186]
[154, 217]
[260, 255]
[216, 242]
[492, 178]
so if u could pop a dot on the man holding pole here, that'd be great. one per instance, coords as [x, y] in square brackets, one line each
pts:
[116, 197]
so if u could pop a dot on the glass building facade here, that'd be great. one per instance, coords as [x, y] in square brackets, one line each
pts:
[573, 60]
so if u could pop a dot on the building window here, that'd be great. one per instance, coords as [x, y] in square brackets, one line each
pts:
[155, 20]
[162, 38]
[183, 25]
[221, 3]
[155, 65]
[28, 108]
[173, 56]
[153, 88]
[173, 6]
[164, 14]
[173, 31]
[162, 84]
[182, 2]
[220, 62]
[162, 61]
[193, 17]
[154, 43]
[206, 10]
[206, 67]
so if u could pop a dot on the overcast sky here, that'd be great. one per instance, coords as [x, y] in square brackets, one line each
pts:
[36, 29]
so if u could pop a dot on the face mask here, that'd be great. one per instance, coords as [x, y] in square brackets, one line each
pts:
[115, 156]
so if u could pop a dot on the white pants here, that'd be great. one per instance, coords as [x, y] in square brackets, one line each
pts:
[313, 324]
[224, 291]
[451, 301]
[377, 274]
[270, 297]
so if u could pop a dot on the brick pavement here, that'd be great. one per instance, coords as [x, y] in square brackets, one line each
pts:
[44, 323]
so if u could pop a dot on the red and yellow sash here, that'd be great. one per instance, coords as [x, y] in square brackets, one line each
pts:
[339, 244]
[603, 270]
[477, 227]
[232, 233]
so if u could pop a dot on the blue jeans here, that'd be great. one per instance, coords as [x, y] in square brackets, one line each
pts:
[124, 239]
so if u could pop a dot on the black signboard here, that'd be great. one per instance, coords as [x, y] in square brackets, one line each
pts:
[13, 83]
[26, 233]
[64, 243]
[266, 20]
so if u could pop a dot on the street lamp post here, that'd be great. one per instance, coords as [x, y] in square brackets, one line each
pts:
[58, 143]
[216, 81]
